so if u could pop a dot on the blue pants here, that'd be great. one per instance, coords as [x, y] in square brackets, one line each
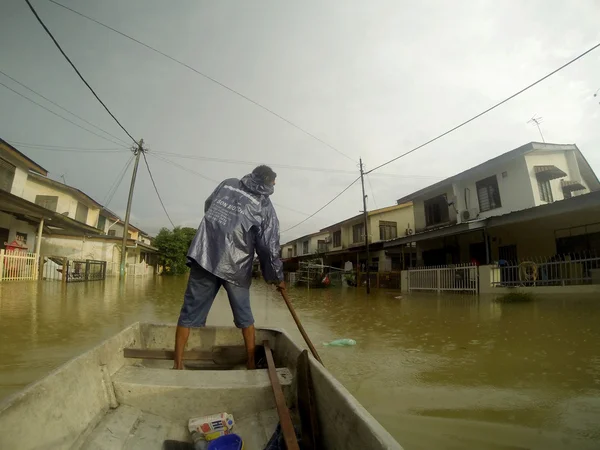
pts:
[200, 293]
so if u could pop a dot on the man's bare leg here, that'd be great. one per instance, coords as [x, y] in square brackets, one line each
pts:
[181, 337]
[249, 340]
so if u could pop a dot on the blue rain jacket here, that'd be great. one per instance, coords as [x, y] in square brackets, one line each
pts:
[239, 220]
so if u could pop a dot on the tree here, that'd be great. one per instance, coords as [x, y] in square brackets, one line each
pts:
[173, 246]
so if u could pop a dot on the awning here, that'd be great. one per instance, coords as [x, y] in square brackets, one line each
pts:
[571, 186]
[32, 213]
[546, 173]
[449, 230]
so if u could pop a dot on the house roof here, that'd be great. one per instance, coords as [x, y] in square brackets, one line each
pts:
[303, 237]
[64, 187]
[31, 164]
[370, 213]
[584, 167]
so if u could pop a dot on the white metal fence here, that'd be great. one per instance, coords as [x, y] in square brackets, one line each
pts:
[559, 270]
[456, 278]
[139, 270]
[18, 266]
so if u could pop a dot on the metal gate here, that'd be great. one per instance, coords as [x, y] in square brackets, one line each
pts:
[454, 278]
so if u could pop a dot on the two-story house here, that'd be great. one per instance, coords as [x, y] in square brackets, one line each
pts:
[347, 238]
[521, 203]
[22, 219]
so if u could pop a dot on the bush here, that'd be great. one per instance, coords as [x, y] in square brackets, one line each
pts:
[173, 246]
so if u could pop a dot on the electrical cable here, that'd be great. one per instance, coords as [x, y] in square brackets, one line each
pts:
[156, 188]
[245, 97]
[58, 115]
[76, 70]
[487, 110]
[115, 185]
[63, 108]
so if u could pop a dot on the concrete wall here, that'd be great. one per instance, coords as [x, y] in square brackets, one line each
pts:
[67, 203]
[20, 172]
[514, 184]
[564, 160]
[81, 248]
[404, 218]
[13, 226]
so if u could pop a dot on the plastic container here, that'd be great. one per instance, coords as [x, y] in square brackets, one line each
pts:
[228, 442]
[211, 427]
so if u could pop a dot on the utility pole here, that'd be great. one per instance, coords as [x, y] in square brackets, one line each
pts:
[137, 152]
[366, 220]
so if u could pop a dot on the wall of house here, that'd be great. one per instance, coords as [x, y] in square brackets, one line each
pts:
[313, 245]
[419, 206]
[284, 250]
[21, 171]
[79, 248]
[13, 226]
[67, 203]
[404, 218]
[514, 184]
[565, 161]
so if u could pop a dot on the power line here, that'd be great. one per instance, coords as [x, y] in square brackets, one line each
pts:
[245, 97]
[487, 110]
[61, 107]
[156, 189]
[323, 207]
[58, 115]
[73, 150]
[61, 147]
[372, 191]
[115, 186]
[215, 181]
[75, 69]
[284, 166]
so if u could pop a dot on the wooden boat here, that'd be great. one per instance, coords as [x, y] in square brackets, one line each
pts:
[119, 396]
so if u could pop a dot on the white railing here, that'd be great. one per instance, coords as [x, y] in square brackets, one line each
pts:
[18, 265]
[112, 269]
[559, 270]
[457, 278]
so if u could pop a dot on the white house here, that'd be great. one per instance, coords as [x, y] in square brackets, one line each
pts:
[517, 204]
[311, 244]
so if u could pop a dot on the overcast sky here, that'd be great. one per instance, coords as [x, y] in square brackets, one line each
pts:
[373, 79]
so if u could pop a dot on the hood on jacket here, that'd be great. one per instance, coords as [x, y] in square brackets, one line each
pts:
[256, 185]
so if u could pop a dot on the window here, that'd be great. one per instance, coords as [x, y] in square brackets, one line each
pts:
[47, 201]
[128, 235]
[289, 253]
[305, 248]
[321, 246]
[436, 211]
[387, 230]
[358, 233]
[101, 223]
[337, 239]
[82, 213]
[545, 191]
[7, 175]
[488, 194]
[112, 232]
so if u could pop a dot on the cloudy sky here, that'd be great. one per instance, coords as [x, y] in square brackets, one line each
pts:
[372, 79]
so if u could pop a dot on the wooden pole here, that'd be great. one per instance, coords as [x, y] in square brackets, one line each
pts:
[312, 348]
[287, 427]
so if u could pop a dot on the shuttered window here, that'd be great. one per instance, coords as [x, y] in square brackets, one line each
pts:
[82, 213]
[47, 201]
[387, 230]
[546, 191]
[7, 175]
[358, 233]
[488, 194]
[101, 223]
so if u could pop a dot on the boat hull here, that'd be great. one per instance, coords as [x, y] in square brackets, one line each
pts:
[99, 399]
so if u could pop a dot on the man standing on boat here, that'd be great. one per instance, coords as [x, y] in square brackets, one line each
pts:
[239, 219]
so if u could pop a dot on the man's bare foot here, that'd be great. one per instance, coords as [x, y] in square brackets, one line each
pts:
[251, 365]
[177, 366]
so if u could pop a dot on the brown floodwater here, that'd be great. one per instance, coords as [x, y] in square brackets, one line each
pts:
[439, 372]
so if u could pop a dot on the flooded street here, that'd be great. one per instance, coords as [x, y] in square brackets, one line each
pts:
[439, 372]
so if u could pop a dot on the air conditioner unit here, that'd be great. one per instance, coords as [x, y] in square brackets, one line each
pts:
[409, 231]
[327, 240]
[469, 214]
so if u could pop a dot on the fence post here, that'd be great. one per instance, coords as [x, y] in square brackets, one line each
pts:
[1, 264]
[65, 272]
[438, 272]
[40, 268]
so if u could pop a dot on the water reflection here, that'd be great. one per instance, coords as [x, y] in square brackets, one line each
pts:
[437, 371]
